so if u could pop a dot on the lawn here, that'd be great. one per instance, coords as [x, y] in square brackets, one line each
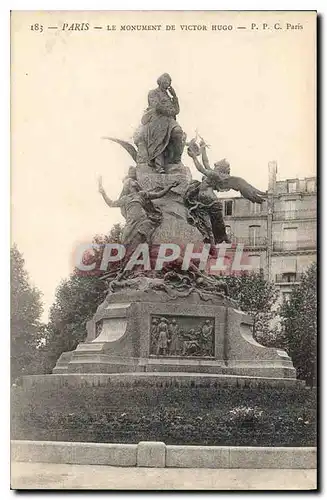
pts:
[176, 415]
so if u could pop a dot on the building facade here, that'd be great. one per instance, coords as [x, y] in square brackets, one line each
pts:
[279, 236]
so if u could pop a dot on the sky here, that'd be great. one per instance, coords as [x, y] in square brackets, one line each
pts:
[250, 93]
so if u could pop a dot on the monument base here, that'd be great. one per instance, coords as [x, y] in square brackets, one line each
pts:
[128, 336]
[153, 379]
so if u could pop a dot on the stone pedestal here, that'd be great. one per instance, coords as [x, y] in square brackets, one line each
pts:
[174, 227]
[123, 338]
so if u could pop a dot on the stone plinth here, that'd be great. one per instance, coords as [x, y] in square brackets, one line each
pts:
[174, 227]
[157, 454]
[151, 454]
[123, 338]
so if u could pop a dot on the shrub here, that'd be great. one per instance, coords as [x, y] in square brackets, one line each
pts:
[176, 415]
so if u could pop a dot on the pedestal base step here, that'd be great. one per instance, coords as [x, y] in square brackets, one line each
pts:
[154, 379]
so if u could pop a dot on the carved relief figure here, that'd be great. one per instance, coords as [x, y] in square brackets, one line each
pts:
[174, 347]
[163, 337]
[154, 334]
[206, 332]
[174, 337]
[191, 344]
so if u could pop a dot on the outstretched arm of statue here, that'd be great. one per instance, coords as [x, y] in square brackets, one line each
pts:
[205, 159]
[197, 163]
[153, 195]
[249, 192]
[106, 198]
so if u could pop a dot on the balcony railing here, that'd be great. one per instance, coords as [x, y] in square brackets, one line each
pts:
[250, 242]
[294, 214]
[294, 245]
[288, 278]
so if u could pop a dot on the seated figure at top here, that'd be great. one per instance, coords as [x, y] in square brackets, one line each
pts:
[160, 137]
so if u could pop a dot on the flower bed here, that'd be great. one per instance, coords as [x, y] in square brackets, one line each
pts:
[175, 415]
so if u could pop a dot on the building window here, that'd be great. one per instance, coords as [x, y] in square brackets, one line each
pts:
[291, 186]
[228, 231]
[255, 208]
[311, 186]
[290, 238]
[229, 207]
[289, 277]
[286, 297]
[255, 262]
[290, 205]
[290, 209]
[254, 235]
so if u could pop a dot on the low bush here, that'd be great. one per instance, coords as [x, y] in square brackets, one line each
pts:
[175, 415]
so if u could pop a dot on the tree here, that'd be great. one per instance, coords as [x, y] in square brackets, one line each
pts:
[76, 301]
[256, 296]
[26, 328]
[299, 321]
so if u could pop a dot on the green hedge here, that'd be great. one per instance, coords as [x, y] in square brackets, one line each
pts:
[175, 415]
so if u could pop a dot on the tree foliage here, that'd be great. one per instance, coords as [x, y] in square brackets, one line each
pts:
[256, 296]
[299, 321]
[26, 328]
[76, 301]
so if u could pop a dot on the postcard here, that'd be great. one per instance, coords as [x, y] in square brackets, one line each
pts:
[163, 250]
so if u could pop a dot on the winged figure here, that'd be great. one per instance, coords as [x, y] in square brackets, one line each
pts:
[126, 145]
[204, 208]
